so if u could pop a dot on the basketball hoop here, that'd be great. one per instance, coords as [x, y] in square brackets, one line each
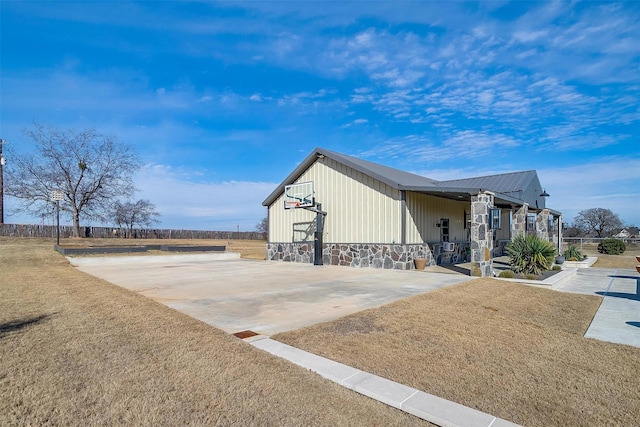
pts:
[299, 195]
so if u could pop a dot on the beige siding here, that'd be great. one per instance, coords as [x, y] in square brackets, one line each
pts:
[424, 211]
[359, 209]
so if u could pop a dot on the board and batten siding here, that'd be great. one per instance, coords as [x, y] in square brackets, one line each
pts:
[360, 209]
[424, 211]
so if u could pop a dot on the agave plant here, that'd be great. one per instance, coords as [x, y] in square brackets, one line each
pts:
[573, 253]
[530, 254]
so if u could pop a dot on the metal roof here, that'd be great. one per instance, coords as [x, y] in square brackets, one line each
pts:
[508, 187]
[393, 177]
[390, 176]
[512, 182]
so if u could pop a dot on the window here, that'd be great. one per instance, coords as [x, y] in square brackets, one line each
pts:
[444, 229]
[531, 222]
[495, 219]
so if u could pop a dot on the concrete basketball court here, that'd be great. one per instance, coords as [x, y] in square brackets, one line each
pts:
[265, 297]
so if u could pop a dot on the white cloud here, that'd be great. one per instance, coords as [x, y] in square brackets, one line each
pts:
[186, 201]
[529, 36]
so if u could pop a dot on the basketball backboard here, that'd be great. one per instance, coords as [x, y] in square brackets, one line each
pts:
[299, 195]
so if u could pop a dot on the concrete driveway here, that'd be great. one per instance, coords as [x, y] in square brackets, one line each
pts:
[262, 296]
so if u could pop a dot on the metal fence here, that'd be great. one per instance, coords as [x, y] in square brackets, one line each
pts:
[66, 231]
[582, 241]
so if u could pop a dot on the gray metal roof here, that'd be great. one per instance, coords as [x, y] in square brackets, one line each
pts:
[508, 187]
[390, 176]
[502, 183]
[393, 177]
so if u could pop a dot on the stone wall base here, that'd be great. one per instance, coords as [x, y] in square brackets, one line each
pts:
[388, 256]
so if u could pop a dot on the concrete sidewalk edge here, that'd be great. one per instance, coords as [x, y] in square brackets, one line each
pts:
[152, 259]
[423, 405]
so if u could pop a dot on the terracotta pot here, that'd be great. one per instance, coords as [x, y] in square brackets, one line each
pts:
[638, 268]
[420, 263]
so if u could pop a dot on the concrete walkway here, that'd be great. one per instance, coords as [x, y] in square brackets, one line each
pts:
[618, 318]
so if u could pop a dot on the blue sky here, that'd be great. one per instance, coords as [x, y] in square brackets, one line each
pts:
[223, 99]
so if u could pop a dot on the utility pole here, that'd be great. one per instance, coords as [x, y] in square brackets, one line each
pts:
[2, 162]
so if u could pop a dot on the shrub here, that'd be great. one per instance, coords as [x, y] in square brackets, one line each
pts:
[507, 274]
[476, 272]
[612, 247]
[557, 268]
[572, 252]
[530, 254]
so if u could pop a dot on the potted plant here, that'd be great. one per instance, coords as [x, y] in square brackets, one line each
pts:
[420, 263]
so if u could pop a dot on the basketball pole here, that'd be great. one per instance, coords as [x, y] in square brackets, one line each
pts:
[317, 241]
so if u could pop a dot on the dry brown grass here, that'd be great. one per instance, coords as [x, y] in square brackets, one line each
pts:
[513, 351]
[627, 260]
[75, 350]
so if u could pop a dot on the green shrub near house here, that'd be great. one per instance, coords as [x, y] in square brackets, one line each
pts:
[612, 247]
[572, 253]
[530, 255]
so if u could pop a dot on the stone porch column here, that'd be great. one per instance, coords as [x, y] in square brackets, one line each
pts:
[481, 235]
[519, 222]
[542, 224]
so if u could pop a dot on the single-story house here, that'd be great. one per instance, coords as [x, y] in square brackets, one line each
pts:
[364, 214]
[622, 234]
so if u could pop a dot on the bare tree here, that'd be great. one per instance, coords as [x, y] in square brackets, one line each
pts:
[263, 226]
[599, 220]
[90, 169]
[129, 214]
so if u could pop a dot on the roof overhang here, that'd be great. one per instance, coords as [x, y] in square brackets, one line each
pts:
[465, 194]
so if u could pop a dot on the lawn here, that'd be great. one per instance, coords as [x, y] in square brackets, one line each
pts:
[514, 351]
[627, 260]
[75, 350]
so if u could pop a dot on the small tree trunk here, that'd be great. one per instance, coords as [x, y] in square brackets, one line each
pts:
[76, 225]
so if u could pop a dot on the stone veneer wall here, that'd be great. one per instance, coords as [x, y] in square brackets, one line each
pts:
[519, 222]
[461, 253]
[481, 235]
[292, 252]
[542, 224]
[371, 255]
